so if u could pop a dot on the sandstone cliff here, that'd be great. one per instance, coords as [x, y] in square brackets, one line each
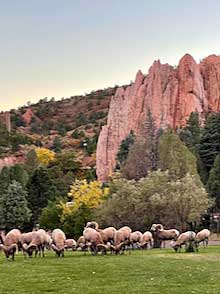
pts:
[171, 94]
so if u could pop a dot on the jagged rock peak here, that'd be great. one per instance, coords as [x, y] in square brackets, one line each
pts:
[170, 93]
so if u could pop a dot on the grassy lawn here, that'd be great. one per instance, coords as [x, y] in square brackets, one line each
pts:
[153, 271]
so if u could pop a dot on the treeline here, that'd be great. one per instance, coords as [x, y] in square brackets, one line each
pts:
[170, 177]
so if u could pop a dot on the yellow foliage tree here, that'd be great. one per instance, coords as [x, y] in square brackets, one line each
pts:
[44, 155]
[81, 193]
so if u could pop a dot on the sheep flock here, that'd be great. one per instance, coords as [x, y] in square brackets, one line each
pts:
[95, 240]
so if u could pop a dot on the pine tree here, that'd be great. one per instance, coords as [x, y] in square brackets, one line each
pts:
[14, 211]
[213, 184]
[41, 189]
[124, 147]
[209, 145]
[190, 135]
[57, 146]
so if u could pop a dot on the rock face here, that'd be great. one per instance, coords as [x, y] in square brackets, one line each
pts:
[10, 161]
[171, 94]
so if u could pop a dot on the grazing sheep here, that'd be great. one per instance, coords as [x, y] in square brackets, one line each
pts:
[121, 240]
[162, 235]
[135, 238]
[107, 233]
[70, 244]
[37, 244]
[2, 237]
[146, 239]
[94, 241]
[184, 239]
[203, 236]
[81, 244]
[11, 243]
[58, 244]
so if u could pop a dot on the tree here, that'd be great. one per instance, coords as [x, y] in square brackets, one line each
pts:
[175, 156]
[57, 146]
[19, 174]
[31, 161]
[213, 184]
[50, 216]
[209, 145]
[190, 135]
[158, 198]
[137, 164]
[89, 194]
[44, 155]
[14, 211]
[180, 202]
[124, 147]
[41, 189]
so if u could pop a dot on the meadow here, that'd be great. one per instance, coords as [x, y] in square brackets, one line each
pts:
[152, 271]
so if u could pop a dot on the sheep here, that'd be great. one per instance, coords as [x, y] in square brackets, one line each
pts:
[70, 244]
[160, 234]
[146, 239]
[93, 240]
[81, 243]
[2, 237]
[183, 239]
[107, 233]
[203, 236]
[135, 238]
[11, 243]
[58, 244]
[37, 244]
[121, 239]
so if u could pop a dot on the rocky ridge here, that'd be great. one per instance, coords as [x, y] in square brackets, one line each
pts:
[170, 93]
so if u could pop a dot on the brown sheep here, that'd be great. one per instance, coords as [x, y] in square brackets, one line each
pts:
[107, 233]
[70, 244]
[58, 244]
[11, 243]
[121, 240]
[146, 239]
[94, 241]
[135, 238]
[37, 243]
[160, 234]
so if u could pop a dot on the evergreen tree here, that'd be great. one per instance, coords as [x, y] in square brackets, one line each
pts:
[41, 189]
[209, 145]
[19, 174]
[190, 135]
[4, 180]
[14, 211]
[213, 184]
[175, 156]
[57, 146]
[31, 162]
[124, 147]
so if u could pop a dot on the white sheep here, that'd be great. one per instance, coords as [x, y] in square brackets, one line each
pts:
[93, 240]
[203, 236]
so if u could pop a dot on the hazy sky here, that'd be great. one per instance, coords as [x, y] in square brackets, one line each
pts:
[60, 48]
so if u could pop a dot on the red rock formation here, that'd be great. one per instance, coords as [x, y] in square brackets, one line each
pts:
[171, 94]
[27, 116]
[10, 161]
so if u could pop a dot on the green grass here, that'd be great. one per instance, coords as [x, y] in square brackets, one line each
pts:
[152, 271]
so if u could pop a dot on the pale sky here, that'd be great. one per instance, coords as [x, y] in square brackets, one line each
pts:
[61, 48]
